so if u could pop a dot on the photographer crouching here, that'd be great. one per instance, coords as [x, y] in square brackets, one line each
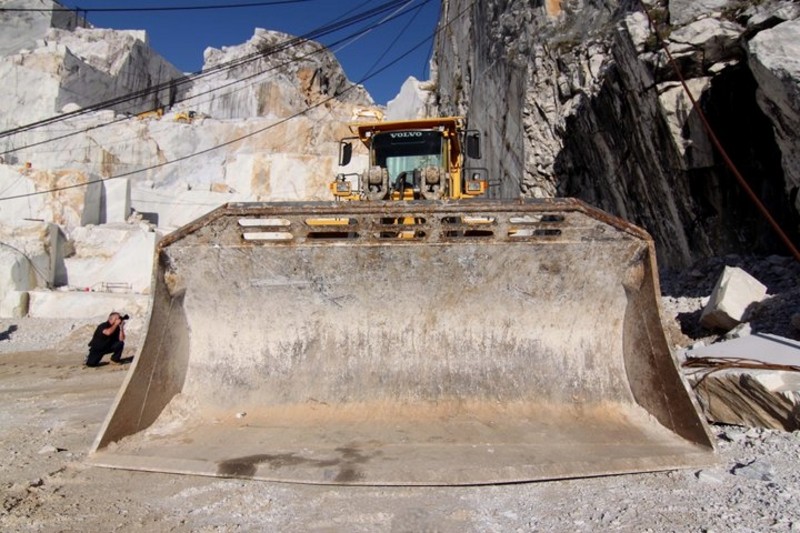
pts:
[109, 337]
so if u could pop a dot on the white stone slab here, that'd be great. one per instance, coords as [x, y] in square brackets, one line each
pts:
[119, 255]
[734, 293]
[14, 304]
[117, 200]
[748, 397]
[761, 347]
[73, 304]
[753, 397]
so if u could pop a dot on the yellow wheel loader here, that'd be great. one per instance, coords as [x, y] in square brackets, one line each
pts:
[187, 117]
[413, 160]
[152, 114]
[411, 337]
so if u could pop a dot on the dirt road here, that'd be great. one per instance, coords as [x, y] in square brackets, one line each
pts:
[51, 410]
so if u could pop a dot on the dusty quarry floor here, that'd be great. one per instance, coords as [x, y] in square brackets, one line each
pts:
[51, 409]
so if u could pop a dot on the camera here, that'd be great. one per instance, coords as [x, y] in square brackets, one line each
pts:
[125, 317]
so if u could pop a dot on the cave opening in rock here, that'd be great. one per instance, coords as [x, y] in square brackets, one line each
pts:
[729, 217]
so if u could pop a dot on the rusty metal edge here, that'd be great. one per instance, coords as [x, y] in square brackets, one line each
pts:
[400, 208]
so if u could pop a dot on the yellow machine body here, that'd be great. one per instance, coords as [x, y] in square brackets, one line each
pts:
[426, 154]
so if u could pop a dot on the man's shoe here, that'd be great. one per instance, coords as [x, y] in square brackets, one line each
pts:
[116, 361]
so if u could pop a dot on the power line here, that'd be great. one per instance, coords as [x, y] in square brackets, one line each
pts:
[161, 8]
[279, 47]
[260, 130]
[394, 41]
[168, 85]
[319, 32]
[427, 65]
[30, 261]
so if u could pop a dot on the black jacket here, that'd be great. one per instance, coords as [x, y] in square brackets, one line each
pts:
[101, 341]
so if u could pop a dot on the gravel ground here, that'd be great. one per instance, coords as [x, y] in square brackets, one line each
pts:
[51, 410]
[684, 294]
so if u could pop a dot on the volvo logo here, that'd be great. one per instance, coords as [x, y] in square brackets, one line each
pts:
[405, 134]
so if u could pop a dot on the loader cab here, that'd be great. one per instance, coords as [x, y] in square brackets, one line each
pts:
[407, 156]
[411, 160]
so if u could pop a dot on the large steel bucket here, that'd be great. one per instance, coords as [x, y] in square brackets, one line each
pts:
[424, 343]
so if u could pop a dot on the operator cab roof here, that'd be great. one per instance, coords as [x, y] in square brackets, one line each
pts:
[449, 125]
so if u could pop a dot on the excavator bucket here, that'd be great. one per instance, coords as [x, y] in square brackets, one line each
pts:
[423, 343]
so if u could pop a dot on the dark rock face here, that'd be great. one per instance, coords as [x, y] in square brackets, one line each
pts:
[578, 99]
[618, 154]
[747, 135]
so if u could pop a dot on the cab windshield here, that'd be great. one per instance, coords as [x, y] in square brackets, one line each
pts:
[401, 151]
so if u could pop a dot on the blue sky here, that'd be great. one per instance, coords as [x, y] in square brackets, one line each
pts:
[181, 36]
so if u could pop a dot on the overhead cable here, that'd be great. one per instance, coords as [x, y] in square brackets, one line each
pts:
[156, 8]
[260, 130]
[760, 207]
[237, 81]
[30, 261]
[284, 45]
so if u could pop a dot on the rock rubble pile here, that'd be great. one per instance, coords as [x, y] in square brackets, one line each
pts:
[747, 372]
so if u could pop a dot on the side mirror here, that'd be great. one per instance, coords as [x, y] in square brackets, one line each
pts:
[345, 153]
[474, 144]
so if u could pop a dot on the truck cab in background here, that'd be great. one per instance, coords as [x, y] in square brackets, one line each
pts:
[413, 160]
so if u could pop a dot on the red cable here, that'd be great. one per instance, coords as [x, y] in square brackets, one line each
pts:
[710, 132]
